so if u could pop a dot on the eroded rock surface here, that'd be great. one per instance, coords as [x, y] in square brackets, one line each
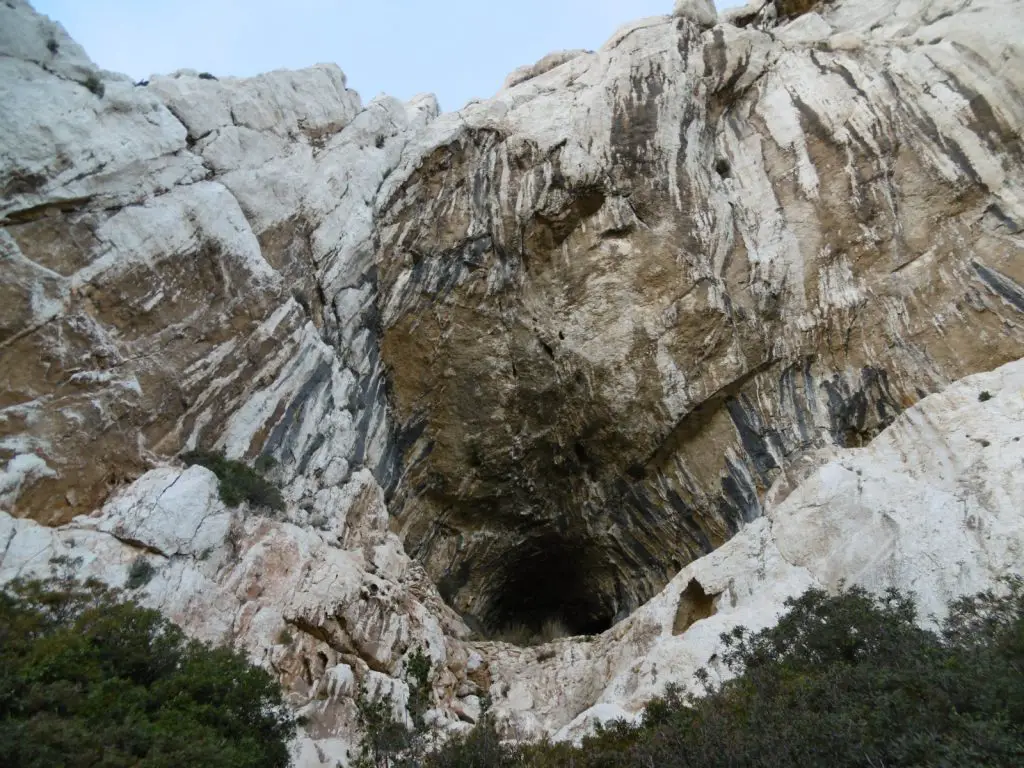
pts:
[620, 298]
[186, 263]
[931, 506]
[330, 609]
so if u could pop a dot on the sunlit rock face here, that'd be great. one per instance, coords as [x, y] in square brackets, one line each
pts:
[186, 262]
[620, 298]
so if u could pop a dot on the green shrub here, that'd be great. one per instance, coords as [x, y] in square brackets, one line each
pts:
[849, 680]
[265, 463]
[139, 573]
[87, 679]
[386, 741]
[94, 84]
[237, 481]
[480, 748]
[417, 675]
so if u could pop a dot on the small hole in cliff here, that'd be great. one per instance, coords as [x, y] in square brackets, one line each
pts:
[694, 604]
[984, 396]
[561, 335]
[549, 582]
[581, 453]
[723, 168]
[547, 349]
[636, 472]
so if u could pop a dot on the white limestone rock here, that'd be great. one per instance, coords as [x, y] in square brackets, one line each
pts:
[806, 29]
[546, 64]
[210, 241]
[700, 12]
[743, 15]
[297, 600]
[29, 36]
[313, 101]
[170, 512]
[932, 507]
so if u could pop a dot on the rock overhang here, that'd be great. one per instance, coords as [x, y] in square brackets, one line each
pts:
[614, 311]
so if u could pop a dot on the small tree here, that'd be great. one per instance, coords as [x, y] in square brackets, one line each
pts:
[386, 742]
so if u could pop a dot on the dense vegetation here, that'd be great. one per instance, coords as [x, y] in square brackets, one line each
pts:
[238, 482]
[89, 680]
[849, 680]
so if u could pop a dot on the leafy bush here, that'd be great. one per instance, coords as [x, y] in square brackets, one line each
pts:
[237, 481]
[417, 675]
[94, 84]
[265, 463]
[139, 573]
[849, 680]
[386, 742]
[89, 680]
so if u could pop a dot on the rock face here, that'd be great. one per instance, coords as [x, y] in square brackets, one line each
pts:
[185, 263]
[931, 505]
[330, 609]
[639, 329]
[620, 298]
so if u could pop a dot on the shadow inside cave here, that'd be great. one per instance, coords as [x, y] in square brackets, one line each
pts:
[552, 581]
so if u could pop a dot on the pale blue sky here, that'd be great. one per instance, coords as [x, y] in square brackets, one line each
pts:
[458, 49]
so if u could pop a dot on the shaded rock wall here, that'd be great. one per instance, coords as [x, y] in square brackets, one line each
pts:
[931, 506]
[620, 298]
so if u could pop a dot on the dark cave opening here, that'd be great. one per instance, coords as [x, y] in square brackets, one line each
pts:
[551, 580]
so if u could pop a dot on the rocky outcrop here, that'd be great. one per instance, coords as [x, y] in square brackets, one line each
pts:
[930, 506]
[331, 609]
[619, 299]
[637, 331]
[185, 263]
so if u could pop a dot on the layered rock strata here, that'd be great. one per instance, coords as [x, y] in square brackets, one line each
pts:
[186, 262]
[621, 297]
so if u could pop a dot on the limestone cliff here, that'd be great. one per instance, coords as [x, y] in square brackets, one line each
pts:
[625, 346]
[620, 298]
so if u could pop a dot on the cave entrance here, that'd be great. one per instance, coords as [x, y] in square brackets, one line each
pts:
[552, 582]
